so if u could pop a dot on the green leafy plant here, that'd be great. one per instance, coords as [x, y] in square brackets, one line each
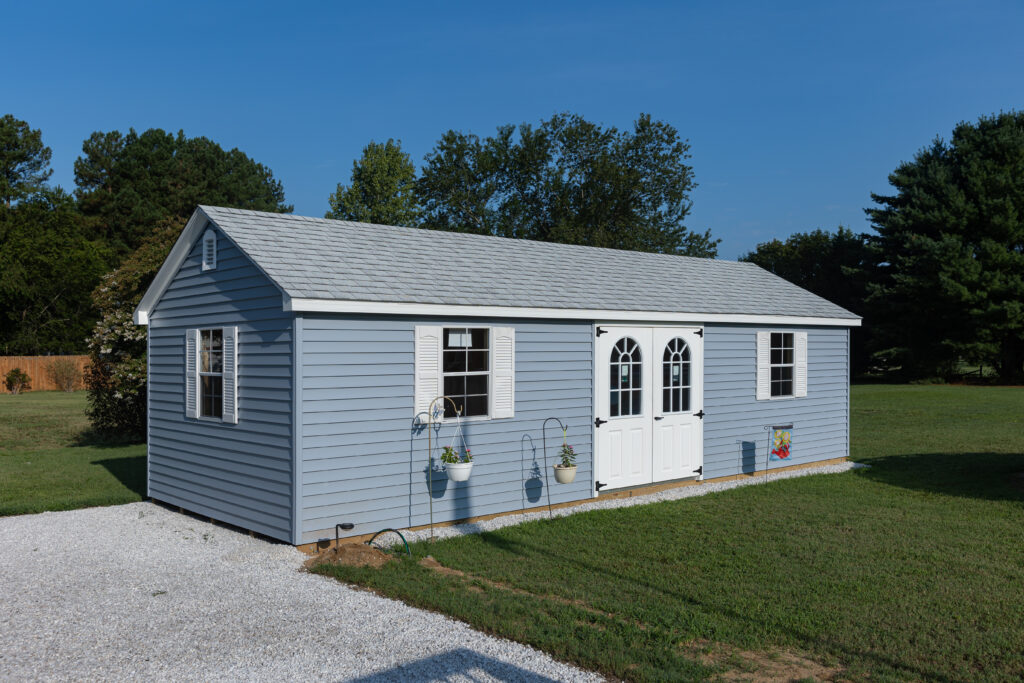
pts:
[568, 456]
[451, 456]
[17, 380]
[65, 373]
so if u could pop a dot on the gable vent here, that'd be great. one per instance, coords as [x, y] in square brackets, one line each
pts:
[209, 250]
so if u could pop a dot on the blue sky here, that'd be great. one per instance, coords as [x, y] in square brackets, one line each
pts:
[796, 112]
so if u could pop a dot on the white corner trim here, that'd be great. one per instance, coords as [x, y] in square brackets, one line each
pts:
[392, 308]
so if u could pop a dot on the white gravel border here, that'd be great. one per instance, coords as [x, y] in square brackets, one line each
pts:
[701, 489]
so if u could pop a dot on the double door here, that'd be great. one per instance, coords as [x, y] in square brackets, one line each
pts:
[649, 405]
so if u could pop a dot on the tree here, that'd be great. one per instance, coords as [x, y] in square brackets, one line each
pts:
[382, 190]
[567, 180]
[832, 265]
[48, 268]
[24, 160]
[128, 184]
[949, 286]
[116, 375]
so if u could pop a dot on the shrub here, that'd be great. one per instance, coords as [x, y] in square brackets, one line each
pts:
[64, 373]
[17, 380]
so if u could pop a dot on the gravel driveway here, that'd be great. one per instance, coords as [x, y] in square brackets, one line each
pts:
[140, 592]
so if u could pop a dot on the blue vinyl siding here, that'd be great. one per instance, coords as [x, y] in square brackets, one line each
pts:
[241, 473]
[364, 462]
[735, 438]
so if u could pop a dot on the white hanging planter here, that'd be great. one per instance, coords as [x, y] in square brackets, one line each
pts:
[565, 474]
[458, 471]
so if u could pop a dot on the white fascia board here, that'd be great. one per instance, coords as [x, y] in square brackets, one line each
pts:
[177, 256]
[392, 308]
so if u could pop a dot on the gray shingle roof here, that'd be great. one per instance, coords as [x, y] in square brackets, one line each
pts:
[317, 258]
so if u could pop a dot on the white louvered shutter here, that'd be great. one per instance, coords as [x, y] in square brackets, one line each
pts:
[191, 373]
[764, 371]
[230, 411]
[428, 368]
[504, 371]
[799, 364]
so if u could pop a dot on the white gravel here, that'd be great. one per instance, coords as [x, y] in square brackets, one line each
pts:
[140, 592]
[701, 489]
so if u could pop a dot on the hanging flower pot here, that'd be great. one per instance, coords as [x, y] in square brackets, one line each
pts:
[565, 471]
[457, 466]
[458, 471]
[565, 474]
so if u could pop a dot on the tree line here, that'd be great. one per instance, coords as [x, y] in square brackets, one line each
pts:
[940, 281]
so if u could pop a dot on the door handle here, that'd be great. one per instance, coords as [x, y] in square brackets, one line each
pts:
[660, 417]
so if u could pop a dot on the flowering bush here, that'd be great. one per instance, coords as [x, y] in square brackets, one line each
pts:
[568, 455]
[450, 455]
[116, 377]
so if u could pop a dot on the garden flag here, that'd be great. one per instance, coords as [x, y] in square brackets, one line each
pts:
[780, 443]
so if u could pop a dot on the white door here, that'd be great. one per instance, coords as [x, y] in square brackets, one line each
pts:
[678, 403]
[624, 406]
[649, 383]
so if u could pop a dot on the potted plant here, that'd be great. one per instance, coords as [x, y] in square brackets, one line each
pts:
[565, 471]
[457, 466]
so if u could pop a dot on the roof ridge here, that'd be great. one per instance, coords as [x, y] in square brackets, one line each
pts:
[455, 234]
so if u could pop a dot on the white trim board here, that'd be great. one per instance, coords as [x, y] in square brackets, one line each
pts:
[682, 318]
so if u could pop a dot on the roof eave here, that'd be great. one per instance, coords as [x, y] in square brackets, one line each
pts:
[164, 276]
[458, 310]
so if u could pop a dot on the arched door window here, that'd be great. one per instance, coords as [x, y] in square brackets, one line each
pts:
[675, 377]
[626, 378]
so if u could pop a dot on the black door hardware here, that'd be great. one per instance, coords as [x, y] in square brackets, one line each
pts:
[700, 414]
[660, 417]
[700, 470]
[700, 332]
[601, 331]
[599, 485]
[598, 421]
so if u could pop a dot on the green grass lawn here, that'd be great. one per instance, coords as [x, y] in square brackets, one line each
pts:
[49, 461]
[910, 570]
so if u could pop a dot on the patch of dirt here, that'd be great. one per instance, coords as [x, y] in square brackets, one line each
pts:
[760, 667]
[351, 555]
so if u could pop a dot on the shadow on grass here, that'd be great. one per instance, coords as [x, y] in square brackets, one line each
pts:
[986, 476]
[96, 439]
[129, 470]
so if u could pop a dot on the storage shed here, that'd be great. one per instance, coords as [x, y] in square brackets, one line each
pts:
[292, 361]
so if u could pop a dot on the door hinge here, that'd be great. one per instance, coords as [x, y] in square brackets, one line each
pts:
[699, 470]
[700, 332]
[700, 414]
[598, 421]
[599, 485]
[601, 331]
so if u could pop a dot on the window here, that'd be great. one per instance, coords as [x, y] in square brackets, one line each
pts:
[626, 379]
[675, 380]
[782, 364]
[466, 368]
[209, 250]
[211, 373]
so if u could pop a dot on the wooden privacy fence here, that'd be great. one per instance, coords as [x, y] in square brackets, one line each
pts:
[36, 366]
